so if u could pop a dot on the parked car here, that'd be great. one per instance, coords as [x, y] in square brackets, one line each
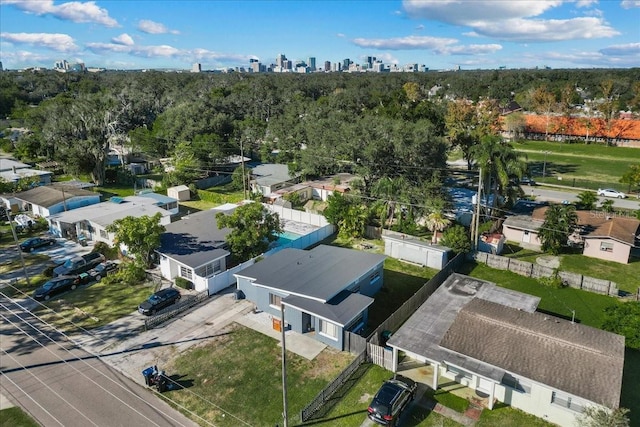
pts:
[79, 264]
[159, 300]
[56, 286]
[527, 181]
[36, 242]
[391, 399]
[610, 192]
[101, 270]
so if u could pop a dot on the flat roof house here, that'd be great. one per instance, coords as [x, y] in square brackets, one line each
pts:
[326, 290]
[47, 200]
[92, 221]
[270, 177]
[13, 171]
[493, 341]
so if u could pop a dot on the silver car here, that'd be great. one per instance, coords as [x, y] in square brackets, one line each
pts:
[610, 192]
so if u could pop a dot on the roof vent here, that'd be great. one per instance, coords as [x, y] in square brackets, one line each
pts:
[116, 200]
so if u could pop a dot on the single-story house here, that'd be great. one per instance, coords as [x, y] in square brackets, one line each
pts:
[604, 236]
[13, 171]
[493, 341]
[194, 248]
[325, 291]
[47, 200]
[269, 177]
[91, 221]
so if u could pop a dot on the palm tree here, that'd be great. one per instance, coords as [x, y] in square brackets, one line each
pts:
[391, 190]
[499, 162]
[436, 221]
[559, 222]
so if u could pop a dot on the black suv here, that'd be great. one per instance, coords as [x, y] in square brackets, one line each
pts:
[394, 395]
[56, 286]
[159, 300]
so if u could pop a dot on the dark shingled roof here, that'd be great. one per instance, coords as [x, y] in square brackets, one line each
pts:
[320, 273]
[341, 309]
[571, 357]
[47, 196]
[195, 240]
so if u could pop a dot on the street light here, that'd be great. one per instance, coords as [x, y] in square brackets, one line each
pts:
[544, 165]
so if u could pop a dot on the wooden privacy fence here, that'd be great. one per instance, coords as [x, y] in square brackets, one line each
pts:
[528, 269]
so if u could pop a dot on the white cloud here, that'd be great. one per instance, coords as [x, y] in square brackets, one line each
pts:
[74, 11]
[628, 4]
[529, 30]
[58, 42]
[341, 35]
[23, 56]
[585, 3]
[511, 20]
[165, 51]
[472, 49]
[420, 27]
[409, 42]
[151, 27]
[124, 39]
[622, 49]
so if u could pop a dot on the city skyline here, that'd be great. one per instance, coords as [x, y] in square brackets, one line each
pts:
[223, 34]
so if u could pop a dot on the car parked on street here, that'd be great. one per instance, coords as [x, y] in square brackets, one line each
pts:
[102, 270]
[527, 181]
[36, 242]
[610, 192]
[159, 300]
[56, 286]
[391, 399]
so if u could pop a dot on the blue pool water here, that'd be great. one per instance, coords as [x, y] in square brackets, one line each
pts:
[286, 237]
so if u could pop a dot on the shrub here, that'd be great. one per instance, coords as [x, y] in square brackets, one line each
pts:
[48, 272]
[106, 250]
[554, 281]
[183, 283]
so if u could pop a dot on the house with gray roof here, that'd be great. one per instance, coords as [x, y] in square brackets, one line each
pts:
[195, 249]
[13, 171]
[269, 177]
[92, 221]
[47, 200]
[493, 341]
[325, 291]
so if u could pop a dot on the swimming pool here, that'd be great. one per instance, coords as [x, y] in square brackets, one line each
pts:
[286, 237]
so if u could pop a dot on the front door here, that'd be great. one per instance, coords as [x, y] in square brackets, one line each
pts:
[526, 237]
[307, 323]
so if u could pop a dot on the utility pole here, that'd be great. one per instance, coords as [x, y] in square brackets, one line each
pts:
[244, 186]
[284, 370]
[15, 238]
[476, 217]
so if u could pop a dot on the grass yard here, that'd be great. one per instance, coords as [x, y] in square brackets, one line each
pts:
[16, 417]
[115, 190]
[20, 289]
[503, 415]
[236, 379]
[96, 305]
[29, 260]
[592, 166]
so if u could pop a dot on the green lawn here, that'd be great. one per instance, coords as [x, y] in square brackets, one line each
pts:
[248, 389]
[109, 191]
[16, 417]
[96, 305]
[592, 166]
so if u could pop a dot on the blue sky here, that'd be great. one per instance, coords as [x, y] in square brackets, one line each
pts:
[441, 34]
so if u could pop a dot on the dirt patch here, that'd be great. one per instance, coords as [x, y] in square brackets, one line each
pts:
[365, 398]
[548, 261]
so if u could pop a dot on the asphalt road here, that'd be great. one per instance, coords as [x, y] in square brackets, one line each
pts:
[58, 383]
[558, 195]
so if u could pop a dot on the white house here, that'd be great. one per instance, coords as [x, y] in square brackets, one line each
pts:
[13, 171]
[270, 177]
[47, 200]
[92, 221]
[493, 341]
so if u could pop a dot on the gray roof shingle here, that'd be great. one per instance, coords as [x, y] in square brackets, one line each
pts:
[341, 309]
[571, 357]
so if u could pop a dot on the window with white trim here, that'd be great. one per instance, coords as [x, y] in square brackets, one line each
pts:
[186, 272]
[606, 246]
[103, 234]
[275, 300]
[329, 329]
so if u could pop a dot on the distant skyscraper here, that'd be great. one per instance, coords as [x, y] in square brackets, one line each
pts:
[345, 63]
[327, 65]
[1, 66]
[280, 59]
[196, 68]
[311, 63]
